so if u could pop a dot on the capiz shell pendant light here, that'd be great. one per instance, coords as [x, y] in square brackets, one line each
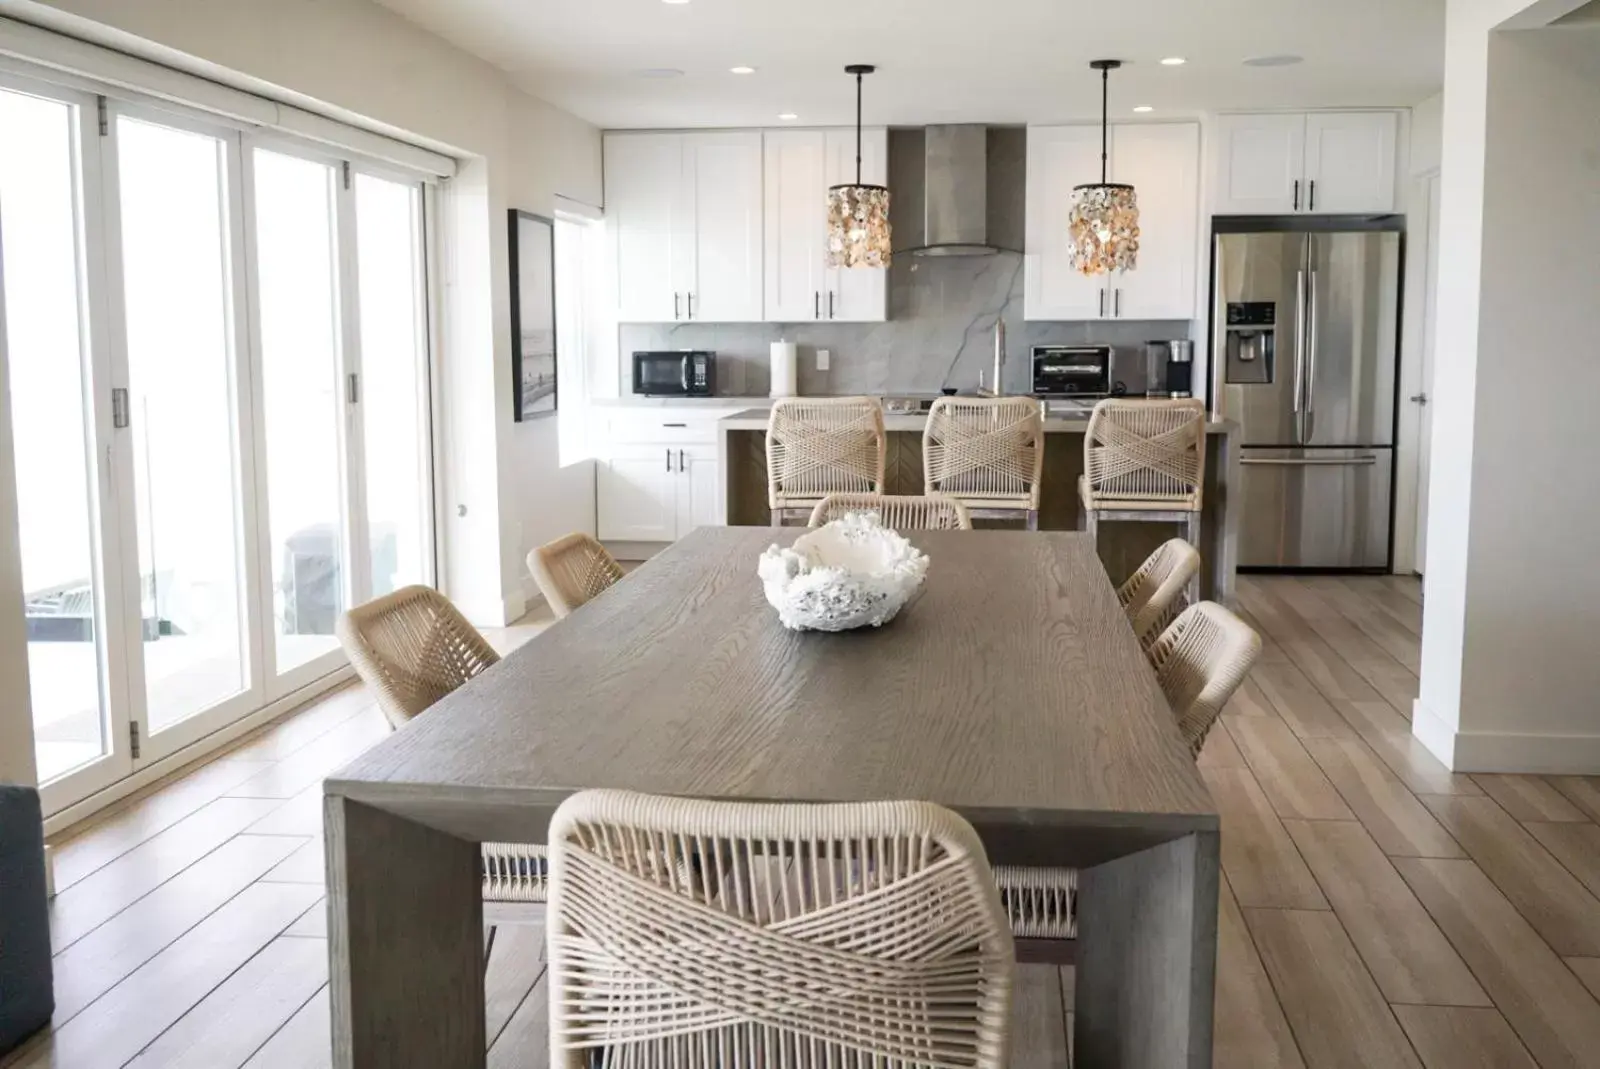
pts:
[858, 215]
[1103, 228]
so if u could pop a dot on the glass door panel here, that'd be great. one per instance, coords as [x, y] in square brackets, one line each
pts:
[394, 394]
[58, 482]
[302, 409]
[176, 261]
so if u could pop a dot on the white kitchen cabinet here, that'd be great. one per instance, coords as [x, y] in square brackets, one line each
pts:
[685, 212]
[1350, 161]
[637, 495]
[799, 286]
[1162, 162]
[1059, 158]
[646, 223]
[1317, 162]
[699, 489]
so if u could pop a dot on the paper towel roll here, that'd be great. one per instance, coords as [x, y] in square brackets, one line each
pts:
[785, 369]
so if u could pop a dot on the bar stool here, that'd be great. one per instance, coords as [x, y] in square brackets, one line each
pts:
[988, 454]
[1145, 461]
[817, 446]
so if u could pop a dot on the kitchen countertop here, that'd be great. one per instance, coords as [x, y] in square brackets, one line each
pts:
[755, 419]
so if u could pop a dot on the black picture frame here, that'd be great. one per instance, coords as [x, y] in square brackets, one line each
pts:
[535, 386]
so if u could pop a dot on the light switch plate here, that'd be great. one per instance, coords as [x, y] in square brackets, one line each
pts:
[823, 356]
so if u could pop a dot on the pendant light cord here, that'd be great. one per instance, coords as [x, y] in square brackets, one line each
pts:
[858, 128]
[1105, 124]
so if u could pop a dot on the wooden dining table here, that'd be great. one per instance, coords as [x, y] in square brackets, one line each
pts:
[1011, 689]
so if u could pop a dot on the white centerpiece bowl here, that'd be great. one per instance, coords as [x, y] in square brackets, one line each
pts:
[850, 573]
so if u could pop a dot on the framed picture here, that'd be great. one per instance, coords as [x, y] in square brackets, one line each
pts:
[533, 315]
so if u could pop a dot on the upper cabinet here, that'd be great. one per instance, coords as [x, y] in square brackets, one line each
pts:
[1162, 162]
[684, 212]
[1321, 162]
[800, 166]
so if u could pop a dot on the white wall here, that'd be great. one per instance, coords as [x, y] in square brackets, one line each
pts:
[1508, 678]
[16, 723]
[356, 60]
[1427, 135]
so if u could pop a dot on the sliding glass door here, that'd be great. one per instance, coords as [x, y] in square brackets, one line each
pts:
[216, 361]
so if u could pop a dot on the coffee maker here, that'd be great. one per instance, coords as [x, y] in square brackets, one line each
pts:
[1169, 368]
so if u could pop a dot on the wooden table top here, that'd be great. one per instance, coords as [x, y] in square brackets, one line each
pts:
[1011, 689]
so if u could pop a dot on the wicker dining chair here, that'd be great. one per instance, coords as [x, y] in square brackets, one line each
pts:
[821, 446]
[572, 570]
[699, 933]
[930, 512]
[1154, 595]
[1145, 461]
[412, 647]
[987, 453]
[1201, 660]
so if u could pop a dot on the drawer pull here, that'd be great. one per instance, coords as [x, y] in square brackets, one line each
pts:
[674, 424]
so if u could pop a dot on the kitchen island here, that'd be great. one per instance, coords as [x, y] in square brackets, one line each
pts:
[1123, 546]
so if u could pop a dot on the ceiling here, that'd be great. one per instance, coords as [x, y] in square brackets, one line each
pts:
[997, 61]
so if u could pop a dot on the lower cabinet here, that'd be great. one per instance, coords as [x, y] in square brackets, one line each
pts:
[658, 493]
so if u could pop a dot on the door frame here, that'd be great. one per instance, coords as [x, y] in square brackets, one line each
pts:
[1420, 268]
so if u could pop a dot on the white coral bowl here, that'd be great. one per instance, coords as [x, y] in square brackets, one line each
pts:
[850, 573]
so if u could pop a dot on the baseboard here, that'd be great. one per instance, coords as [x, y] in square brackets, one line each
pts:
[1501, 751]
[199, 750]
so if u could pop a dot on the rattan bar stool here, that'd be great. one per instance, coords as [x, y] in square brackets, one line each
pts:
[818, 446]
[1201, 660]
[930, 512]
[1145, 461]
[572, 570]
[412, 647]
[987, 453]
[1154, 595]
[805, 936]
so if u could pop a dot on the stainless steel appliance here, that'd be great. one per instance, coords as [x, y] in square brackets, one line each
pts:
[1306, 328]
[1071, 370]
[1180, 368]
[682, 373]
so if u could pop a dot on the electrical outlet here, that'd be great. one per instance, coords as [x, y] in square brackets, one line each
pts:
[823, 357]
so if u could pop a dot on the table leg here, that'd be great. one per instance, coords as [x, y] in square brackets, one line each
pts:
[405, 941]
[1147, 958]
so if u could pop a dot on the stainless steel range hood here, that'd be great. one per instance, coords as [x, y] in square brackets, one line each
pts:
[956, 185]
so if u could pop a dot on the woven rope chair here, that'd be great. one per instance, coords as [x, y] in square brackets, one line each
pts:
[1154, 595]
[572, 570]
[987, 453]
[932, 512]
[412, 647]
[1201, 660]
[1145, 461]
[798, 936]
[821, 446]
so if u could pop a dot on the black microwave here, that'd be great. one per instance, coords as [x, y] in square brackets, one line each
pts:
[681, 373]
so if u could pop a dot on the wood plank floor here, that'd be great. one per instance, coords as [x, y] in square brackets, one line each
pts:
[1377, 909]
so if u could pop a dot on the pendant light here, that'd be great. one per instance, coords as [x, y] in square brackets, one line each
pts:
[858, 215]
[1103, 228]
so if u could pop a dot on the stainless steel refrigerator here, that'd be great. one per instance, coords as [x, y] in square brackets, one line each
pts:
[1304, 356]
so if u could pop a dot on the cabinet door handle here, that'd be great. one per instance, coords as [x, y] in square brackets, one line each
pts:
[680, 461]
[1312, 205]
[830, 304]
[691, 305]
[1297, 194]
[1116, 304]
[676, 297]
[669, 460]
[674, 424]
[816, 304]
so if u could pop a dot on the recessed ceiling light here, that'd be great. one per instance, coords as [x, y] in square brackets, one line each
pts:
[1285, 60]
[1142, 108]
[659, 72]
[788, 116]
[1173, 61]
[741, 70]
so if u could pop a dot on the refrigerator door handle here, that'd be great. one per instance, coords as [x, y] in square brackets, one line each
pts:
[1311, 357]
[1299, 345]
[1366, 461]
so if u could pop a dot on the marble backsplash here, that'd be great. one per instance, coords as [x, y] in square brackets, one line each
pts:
[940, 333]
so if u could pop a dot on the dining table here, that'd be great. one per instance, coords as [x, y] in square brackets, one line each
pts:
[1010, 689]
